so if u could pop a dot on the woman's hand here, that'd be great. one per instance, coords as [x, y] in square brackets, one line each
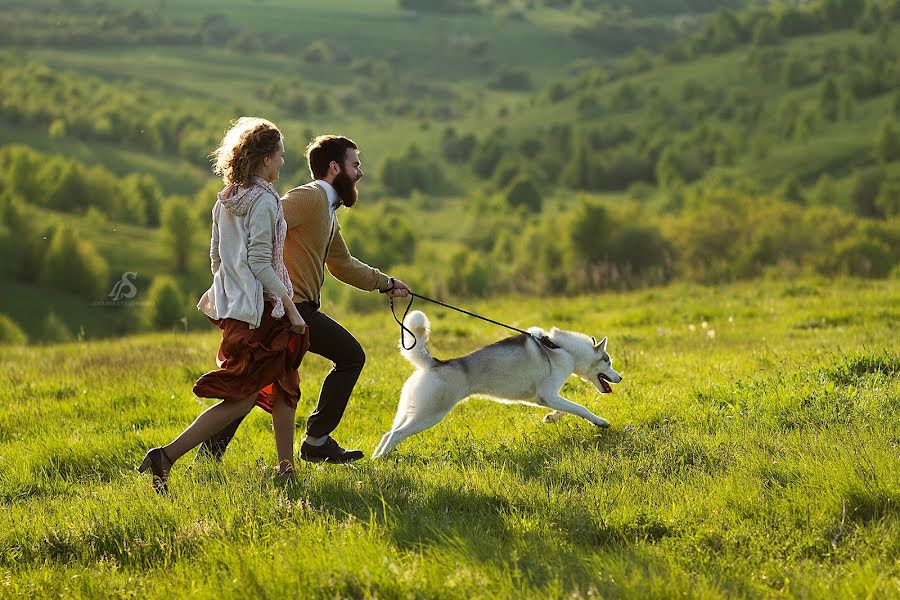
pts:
[298, 325]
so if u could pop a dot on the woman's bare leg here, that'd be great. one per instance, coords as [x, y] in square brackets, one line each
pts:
[283, 424]
[210, 422]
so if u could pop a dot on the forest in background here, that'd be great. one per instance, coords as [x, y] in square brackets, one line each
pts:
[510, 147]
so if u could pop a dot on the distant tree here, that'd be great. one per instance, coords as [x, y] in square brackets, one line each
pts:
[861, 256]
[825, 192]
[896, 105]
[888, 200]
[841, 14]
[865, 189]
[142, 195]
[887, 142]
[245, 42]
[829, 100]
[796, 72]
[74, 265]
[579, 172]
[558, 92]
[165, 306]
[54, 329]
[523, 192]
[871, 19]
[10, 333]
[508, 169]
[795, 21]
[765, 33]
[179, 230]
[792, 191]
[317, 53]
[70, 192]
[512, 79]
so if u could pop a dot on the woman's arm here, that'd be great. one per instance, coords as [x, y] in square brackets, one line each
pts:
[214, 259]
[262, 218]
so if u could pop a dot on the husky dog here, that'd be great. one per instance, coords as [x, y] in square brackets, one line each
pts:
[526, 369]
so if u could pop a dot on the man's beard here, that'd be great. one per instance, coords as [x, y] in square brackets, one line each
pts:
[346, 189]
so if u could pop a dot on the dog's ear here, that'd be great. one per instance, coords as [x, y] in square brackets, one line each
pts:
[601, 347]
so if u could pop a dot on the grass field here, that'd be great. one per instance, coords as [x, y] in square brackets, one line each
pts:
[753, 453]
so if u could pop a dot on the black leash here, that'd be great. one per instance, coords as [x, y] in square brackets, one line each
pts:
[545, 341]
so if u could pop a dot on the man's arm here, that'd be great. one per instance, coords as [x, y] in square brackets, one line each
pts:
[351, 270]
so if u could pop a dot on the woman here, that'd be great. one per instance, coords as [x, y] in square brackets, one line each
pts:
[250, 297]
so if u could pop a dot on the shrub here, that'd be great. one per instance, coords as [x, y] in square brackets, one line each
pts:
[165, 305]
[887, 142]
[862, 256]
[179, 231]
[512, 79]
[10, 333]
[523, 192]
[74, 265]
[54, 329]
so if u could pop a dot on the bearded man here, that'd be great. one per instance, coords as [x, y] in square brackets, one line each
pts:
[313, 243]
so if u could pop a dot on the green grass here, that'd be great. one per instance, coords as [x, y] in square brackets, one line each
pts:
[758, 462]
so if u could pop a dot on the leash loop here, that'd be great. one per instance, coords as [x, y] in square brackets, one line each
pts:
[543, 340]
[404, 328]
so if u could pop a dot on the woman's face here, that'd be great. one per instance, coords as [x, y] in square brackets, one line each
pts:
[274, 162]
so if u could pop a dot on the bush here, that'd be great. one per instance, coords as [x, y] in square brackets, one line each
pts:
[887, 142]
[165, 307]
[10, 333]
[74, 265]
[54, 329]
[412, 171]
[861, 256]
[518, 80]
[179, 232]
[523, 192]
[866, 186]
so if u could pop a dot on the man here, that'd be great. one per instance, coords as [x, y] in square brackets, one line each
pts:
[314, 242]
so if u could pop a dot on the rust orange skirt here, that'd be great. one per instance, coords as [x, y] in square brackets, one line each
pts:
[261, 361]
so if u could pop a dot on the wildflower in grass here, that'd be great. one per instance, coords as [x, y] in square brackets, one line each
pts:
[711, 334]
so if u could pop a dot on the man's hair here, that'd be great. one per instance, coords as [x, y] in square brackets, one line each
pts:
[324, 149]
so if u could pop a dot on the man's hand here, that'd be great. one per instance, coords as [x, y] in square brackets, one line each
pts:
[400, 290]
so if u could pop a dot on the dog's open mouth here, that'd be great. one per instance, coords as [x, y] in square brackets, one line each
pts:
[604, 383]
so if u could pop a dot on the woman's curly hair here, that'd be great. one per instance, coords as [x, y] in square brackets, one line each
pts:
[246, 144]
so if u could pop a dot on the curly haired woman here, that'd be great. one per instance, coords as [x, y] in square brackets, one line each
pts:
[250, 300]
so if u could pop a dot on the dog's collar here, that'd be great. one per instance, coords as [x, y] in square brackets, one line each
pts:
[546, 342]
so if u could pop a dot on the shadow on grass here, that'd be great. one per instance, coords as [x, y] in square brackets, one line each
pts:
[543, 539]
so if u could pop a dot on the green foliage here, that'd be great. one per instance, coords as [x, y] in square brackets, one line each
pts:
[411, 171]
[865, 189]
[179, 229]
[887, 142]
[164, 306]
[55, 330]
[74, 265]
[10, 333]
[523, 192]
[511, 79]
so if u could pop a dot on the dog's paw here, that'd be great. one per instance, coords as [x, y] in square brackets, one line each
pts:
[553, 417]
[602, 423]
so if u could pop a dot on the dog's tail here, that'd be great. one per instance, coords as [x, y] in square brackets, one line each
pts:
[418, 355]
